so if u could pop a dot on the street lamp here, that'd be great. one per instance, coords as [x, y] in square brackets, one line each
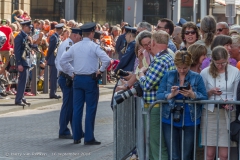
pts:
[172, 7]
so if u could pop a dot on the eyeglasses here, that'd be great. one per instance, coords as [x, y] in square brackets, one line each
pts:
[146, 45]
[159, 27]
[190, 32]
[220, 29]
[222, 64]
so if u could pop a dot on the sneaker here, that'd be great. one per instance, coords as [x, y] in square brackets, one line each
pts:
[9, 92]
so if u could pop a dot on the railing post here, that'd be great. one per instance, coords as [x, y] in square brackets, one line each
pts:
[46, 80]
[34, 81]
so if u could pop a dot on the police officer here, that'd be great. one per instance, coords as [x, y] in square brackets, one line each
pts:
[23, 60]
[65, 83]
[85, 56]
[128, 58]
[50, 58]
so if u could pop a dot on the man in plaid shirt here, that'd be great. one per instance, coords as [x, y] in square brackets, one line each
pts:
[150, 79]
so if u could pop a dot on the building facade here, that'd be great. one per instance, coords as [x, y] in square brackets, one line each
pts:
[115, 11]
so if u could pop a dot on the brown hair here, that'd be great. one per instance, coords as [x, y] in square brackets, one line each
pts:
[183, 57]
[189, 25]
[221, 40]
[208, 27]
[169, 25]
[218, 53]
[196, 50]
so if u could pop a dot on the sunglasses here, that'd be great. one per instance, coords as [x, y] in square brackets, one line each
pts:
[220, 29]
[190, 32]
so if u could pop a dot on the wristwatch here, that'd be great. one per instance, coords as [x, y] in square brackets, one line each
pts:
[127, 86]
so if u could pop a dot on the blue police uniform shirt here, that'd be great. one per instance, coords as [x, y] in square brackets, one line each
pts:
[64, 46]
[50, 58]
[120, 44]
[19, 48]
[85, 56]
[127, 61]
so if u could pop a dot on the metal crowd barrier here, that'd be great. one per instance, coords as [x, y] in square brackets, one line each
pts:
[129, 129]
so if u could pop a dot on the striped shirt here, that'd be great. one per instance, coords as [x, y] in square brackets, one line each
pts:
[161, 64]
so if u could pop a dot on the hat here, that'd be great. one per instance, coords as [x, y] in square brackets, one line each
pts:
[181, 22]
[59, 26]
[77, 31]
[88, 27]
[27, 23]
[130, 29]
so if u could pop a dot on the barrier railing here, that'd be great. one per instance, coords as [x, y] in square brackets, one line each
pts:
[129, 128]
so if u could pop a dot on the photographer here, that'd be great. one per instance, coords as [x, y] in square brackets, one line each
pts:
[149, 80]
[181, 84]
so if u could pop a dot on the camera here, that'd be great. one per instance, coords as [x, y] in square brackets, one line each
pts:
[122, 73]
[177, 111]
[122, 95]
[185, 86]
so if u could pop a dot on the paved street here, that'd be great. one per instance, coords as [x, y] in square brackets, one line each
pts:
[33, 134]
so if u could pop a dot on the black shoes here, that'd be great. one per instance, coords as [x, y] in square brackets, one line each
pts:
[94, 142]
[65, 136]
[20, 104]
[26, 102]
[77, 141]
[55, 97]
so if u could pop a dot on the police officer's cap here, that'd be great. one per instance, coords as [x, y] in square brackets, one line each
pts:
[181, 22]
[59, 26]
[76, 31]
[130, 29]
[27, 23]
[88, 27]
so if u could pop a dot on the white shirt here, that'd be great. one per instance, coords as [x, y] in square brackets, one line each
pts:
[64, 46]
[232, 83]
[85, 56]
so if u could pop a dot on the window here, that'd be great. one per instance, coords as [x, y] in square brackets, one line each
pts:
[153, 10]
[115, 11]
[15, 5]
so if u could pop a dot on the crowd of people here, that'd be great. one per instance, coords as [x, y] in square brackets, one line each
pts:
[170, 62]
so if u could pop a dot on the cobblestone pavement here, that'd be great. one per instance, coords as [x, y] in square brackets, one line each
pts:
[33, 134]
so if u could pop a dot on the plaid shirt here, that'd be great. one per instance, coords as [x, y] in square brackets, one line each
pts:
[162, 63]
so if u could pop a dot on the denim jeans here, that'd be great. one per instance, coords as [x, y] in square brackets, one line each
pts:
[177, 141]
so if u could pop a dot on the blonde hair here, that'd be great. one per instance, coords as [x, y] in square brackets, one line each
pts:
[196, 50]
[218, 53]
[160, 37]
[183, 57]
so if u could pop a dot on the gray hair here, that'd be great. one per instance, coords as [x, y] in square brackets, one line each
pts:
[235, 40]
[224, 23]
[145, 25]
[142, 35]
[72, 21]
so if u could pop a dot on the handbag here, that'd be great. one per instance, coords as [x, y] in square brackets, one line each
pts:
[235, 130]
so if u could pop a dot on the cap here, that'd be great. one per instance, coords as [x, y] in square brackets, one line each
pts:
[181, 22]
[59, 26]
[27, 23]
[88, 27]
[76, 31]
[130, 29]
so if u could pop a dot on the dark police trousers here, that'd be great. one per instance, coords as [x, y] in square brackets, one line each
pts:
[85, 89]
[67, 107]
[53, 81]
[22, 81]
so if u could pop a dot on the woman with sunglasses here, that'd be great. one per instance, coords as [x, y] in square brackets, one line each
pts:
[181, 84]
[224, 41]
[189, 34]
[221, 80]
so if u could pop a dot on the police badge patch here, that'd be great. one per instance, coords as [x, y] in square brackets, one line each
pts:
[70, 43]
[67, 48]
